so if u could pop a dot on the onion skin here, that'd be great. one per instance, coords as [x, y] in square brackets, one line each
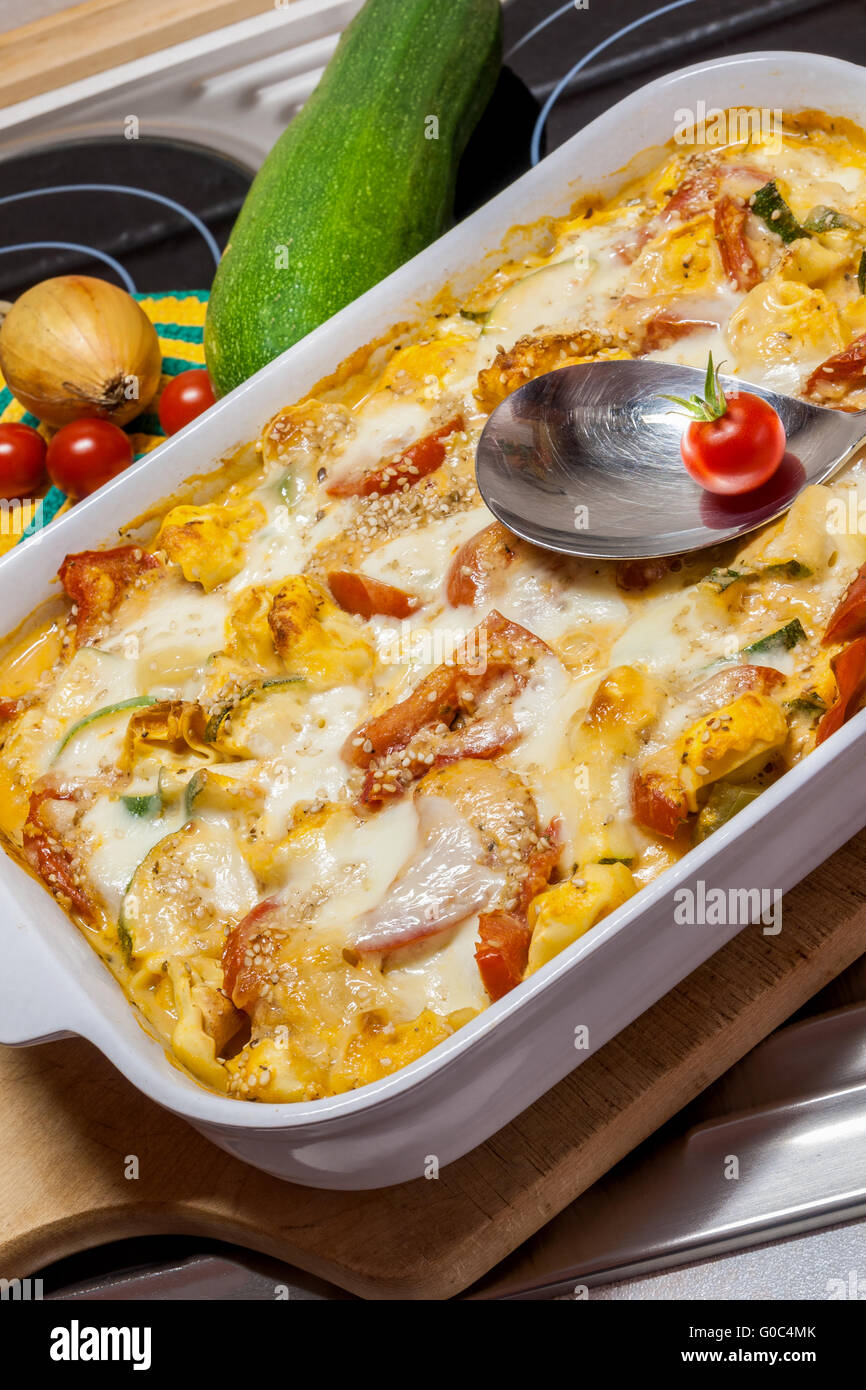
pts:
[73, 346]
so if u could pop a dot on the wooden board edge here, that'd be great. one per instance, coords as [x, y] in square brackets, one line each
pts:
[579, 1170]
[86, 39]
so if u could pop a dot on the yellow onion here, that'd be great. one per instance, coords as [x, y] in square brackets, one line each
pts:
[75, 346]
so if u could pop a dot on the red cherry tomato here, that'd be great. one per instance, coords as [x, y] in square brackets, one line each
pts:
[184, 398]
[739, 451]
[87, 453]
[22, 460]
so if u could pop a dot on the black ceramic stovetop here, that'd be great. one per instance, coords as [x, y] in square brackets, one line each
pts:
[164, 208]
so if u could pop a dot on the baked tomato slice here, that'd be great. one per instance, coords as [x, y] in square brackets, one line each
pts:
[247, 953]
[421, 458]
[849, 668]
[502, 952]
[848, 619]
[96, 581]
[358, 593]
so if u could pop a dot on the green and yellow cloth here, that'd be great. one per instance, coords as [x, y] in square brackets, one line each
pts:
[179, 322]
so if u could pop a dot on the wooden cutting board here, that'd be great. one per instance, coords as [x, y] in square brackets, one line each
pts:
[80, 40]
[70, 1124]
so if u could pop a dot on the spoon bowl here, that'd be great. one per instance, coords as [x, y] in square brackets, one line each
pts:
[586, 460]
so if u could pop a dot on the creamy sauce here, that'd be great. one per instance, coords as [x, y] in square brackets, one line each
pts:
[250, 794]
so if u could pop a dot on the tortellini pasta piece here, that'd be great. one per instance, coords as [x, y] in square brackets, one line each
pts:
[801, 538]
[810, 262]
[782, 319]
[248, 634]
[623, 707]
[727, 740]
[169, 734]
[562, 914]
[207, 541]
[683, 259]
[206, 1020]
[282, 1069]
[382, 1046]
[299, 433]
[314, 637]
[413, 365]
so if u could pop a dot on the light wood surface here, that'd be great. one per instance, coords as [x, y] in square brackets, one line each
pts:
[84, 39]
[70, 1122]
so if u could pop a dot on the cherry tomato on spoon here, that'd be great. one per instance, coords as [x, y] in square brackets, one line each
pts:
[87, 453]
[184, 398]
[22, 460]
[733, 443]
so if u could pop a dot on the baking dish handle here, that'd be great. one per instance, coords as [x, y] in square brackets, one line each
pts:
[37, 1001]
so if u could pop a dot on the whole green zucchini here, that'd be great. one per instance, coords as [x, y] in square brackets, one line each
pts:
[361, 180]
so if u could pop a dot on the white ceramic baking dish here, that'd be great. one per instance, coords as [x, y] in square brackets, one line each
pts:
[52, 984]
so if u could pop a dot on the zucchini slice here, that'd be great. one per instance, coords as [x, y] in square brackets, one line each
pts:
[188, 889]
[770, 206]
[720, 579]
[725, 801]
[809, 703]
[786, 569]
[248, 726]
[290, 488]
[210, 790]
[150, 805]
[782, 640]
[824, 219]
[544, 298]
[136, 702]
[146, 807]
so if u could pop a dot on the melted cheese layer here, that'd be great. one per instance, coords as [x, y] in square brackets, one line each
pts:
[198, 761]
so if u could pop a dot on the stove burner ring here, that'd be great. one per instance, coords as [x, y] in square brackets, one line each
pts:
[124, 275]
[92, 251]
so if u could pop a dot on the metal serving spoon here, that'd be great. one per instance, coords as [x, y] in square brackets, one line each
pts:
[586, 461]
